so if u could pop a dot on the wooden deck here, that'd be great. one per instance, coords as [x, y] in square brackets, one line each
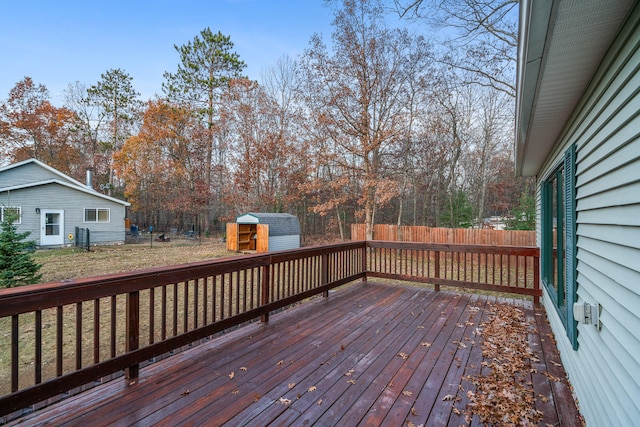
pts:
[371, 354]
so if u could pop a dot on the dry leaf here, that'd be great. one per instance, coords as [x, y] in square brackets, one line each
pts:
[291, 385]
[448, 397]
[244, 368]
[235, 392]
[256, 397]
[390, 385]
[421, 327]
[320, 402]
[349, 372]
[403, 355]
[455, 410]
[414, 412]
[406, 393]
[425, 344]
[285, 401]
[555, 363]
[280, 362]
[351, 381]
[312, 388]
[410, 424]
[185, 392]
[231, 375]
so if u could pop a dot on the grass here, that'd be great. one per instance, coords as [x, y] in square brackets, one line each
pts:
[73, 263]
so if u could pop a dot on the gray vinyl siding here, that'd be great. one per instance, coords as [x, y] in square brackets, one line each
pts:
[73, 202]
[281, 243]
[28, 173]
[605, 370]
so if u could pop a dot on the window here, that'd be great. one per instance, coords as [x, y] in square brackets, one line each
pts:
[96, 215]
[15, 210]
[559, 240]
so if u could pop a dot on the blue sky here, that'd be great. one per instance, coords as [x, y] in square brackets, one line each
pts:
[57, 42]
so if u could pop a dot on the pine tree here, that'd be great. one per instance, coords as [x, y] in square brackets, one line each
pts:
[17, 267]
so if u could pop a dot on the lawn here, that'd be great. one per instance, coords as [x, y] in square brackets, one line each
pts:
[73, 263]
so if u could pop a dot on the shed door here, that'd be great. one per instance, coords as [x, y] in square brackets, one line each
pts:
[51, 227]
[262, 242]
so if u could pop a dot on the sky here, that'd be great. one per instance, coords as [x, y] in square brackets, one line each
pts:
[58, 42]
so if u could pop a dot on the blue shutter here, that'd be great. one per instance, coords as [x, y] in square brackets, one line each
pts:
[571, 240]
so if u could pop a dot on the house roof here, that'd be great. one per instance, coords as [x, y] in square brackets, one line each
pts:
[561, 45]
[62, 179]
[280, 224]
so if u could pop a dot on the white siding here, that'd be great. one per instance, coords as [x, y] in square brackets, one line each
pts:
[605, 370]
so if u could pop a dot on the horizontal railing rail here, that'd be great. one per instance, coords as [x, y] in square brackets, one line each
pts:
[69, 334]
[511, 269]
[59, 337]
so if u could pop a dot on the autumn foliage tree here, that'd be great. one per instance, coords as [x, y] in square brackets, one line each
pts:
[357, 88]
[31, 127]
[161, 165]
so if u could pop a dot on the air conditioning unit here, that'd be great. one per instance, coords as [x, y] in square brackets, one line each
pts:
[586, 313]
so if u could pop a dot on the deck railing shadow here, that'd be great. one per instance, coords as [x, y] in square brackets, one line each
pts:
[61, 336]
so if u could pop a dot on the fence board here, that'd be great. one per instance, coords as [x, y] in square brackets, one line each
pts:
[472, 236]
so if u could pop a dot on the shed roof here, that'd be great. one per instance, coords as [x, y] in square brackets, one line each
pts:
[280, 224]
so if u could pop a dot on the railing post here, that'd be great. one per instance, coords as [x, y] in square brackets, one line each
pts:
[437, 268]
[536, 277]
[133, 331]
[264, 285]
[364, 259]
[325, 273]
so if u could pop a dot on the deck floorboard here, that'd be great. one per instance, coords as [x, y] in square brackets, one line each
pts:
[370, 354]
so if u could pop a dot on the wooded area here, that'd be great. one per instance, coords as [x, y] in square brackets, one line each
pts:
[382, 125]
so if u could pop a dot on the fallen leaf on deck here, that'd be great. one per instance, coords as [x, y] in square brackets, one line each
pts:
[185, 392]
[403, 355]
[235, 392]
[448, 397]
[320, 402]
[425, 344]
[349, 372]
[351, 381]
[312, 388]
[280, 362]
[231, 375]
[285, 401]
[244, 368]
[291, 385]
[414, 412]
[406, 393]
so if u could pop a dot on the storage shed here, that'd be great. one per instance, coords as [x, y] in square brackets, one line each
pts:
[263, 232]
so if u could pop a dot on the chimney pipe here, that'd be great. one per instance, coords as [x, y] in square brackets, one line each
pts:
[89, 178]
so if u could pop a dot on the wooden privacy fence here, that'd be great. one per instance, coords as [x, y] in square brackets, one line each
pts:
[472, 236]
[59, 337]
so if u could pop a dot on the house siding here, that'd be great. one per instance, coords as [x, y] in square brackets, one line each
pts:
[27, 173]
[605, 370]
[73, 203]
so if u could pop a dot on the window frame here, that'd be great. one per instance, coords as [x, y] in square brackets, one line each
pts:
[18, 208]
[97, 215]
[558, 274]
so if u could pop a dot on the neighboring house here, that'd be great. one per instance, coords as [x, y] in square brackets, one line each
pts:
[51, 205]
[578, 133]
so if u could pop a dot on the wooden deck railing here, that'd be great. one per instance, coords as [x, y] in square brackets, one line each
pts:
[57, 337]
[510, 269]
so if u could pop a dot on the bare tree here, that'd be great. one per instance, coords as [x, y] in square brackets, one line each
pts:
[358, 92]
[482, 36]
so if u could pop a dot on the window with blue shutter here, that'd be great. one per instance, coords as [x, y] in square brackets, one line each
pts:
[558, 255]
